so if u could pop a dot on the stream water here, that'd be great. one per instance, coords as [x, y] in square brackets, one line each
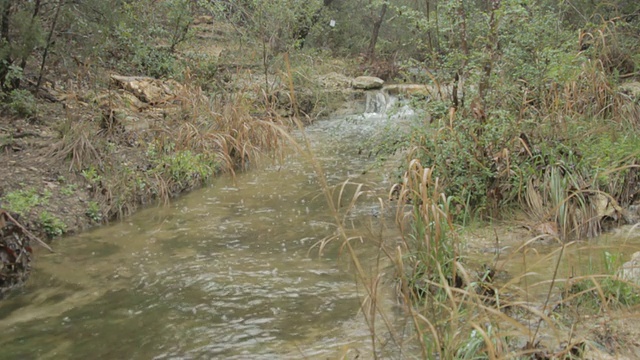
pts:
[223, 272]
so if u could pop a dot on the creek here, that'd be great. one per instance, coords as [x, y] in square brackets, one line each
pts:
[227, 271]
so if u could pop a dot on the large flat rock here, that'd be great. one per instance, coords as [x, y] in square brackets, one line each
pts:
[367, 83]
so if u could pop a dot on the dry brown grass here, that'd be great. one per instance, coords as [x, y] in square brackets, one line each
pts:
[224, 129]
[79, 145]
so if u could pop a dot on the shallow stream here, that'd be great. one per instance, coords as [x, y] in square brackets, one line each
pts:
[227, 271]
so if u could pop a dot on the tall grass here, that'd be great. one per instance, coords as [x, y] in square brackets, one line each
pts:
[451, 310]
[433, 286]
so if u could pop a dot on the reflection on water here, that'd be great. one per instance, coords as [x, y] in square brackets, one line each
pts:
[224, 272]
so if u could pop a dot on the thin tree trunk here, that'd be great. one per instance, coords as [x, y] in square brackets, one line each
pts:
[437, 32]
[371, 52]
[429, 39]
[6, 16]
[463, 29]
[459, 77]
[48, 45]
[490, 50]
[23, 62]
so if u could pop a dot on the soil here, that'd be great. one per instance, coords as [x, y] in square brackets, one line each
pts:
[26, 162]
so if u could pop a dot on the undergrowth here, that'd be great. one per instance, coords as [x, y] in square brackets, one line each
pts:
[187, 150]
[565, 153]
[23, 201]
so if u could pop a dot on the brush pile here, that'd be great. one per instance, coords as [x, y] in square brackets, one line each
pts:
[15, 253]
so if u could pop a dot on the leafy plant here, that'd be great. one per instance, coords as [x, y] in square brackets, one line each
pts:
[23, 201]
[68, 190]
[51, 224]
[602, 292]
[91, 175]
[185, 166]
[93, 211]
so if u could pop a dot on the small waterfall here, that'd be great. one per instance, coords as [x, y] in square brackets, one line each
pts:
[376, 103]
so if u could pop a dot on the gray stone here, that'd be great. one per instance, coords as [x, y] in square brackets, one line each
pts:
[367, 83]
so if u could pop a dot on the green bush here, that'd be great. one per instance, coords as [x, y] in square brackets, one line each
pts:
[155, 62]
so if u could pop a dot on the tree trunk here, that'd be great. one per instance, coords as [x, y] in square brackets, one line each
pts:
[460, 75]
[48, 45]
[490, 47]
[23, 61]
[371, 52]
[429, 38]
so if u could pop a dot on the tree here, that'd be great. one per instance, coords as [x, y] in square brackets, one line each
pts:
[376, 30]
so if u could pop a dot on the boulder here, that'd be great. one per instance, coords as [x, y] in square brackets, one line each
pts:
[607, 207]
[632, 215]
[367, 83]
[630, 270]
[148, 90]
[135, 124]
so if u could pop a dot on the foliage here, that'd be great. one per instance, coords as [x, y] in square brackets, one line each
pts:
[93, 211]
[21, 34]
[69, 189]
[527, 118]
[92, 175]
[23, 201]
[385, 143]
[276, 24]
[51, 224]
[20, 102]
[137, 31]
[475, 348]
[185, 167]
